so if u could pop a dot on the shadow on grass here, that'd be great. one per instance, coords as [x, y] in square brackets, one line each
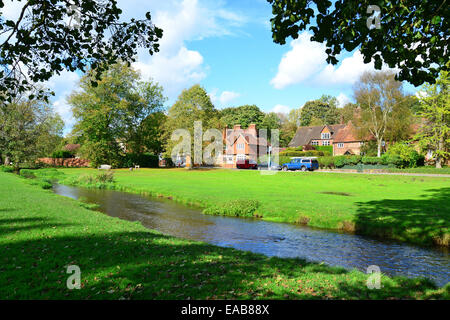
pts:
[425, 221]
[150, 265]
[16, 225]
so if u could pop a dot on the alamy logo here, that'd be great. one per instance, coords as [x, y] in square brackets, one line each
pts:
[373, 22]
[74, 16]
[374, 280]
[74, 281]
[209, 146]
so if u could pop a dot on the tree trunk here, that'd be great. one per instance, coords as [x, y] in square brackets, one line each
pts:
[7, 161]
[438, 157]
[379, 149]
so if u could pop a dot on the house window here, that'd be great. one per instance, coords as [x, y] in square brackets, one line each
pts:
[240, 157]
[340, 145]
[240, 146]
[326, 142]
[314, 143]
[326, 135]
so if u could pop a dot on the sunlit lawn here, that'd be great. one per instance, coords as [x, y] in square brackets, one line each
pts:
[406, 208]
[42, 233]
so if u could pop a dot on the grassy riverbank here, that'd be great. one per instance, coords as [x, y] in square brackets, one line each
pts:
[405, 208]
[42, 233]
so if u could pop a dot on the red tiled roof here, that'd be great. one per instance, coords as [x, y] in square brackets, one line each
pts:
[346, 134]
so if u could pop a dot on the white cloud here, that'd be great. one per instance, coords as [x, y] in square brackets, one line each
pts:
[300, 63]
[224, 98]
[175, 66]
[342, 100]
[347, 72]
[228, 96]
[12, 9]
[174, 72]
[279, 108]
[63, 85]
[306, 63]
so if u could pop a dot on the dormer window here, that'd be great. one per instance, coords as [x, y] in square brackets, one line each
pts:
[326, 135]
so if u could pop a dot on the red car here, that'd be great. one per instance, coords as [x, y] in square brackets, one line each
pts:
[246, 164]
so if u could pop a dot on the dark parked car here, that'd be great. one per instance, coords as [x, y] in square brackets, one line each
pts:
[246, 164]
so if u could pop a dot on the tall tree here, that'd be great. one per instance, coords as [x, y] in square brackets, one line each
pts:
[435, 110]
[29, 129]
[289, 125]
[152, 130]
[271, 121]
[192, 105]
[109, 115]
[400, 126]
[403, 30]
[294, 116]
[379, 96]
[319, 112]
[243, 115]
[348, 112]
[50, 36]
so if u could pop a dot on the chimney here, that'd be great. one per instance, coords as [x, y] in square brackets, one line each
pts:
[237, 127]
[252, 127]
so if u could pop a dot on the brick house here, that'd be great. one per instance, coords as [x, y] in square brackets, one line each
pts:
[242, 144]
[316, 135]
[346, 141]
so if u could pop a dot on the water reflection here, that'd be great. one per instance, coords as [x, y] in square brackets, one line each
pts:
[272, 239]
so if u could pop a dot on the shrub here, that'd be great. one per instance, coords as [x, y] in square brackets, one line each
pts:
[237, 208]
[26, 173]
[105, 177]
[169, 162]
[391, 159]
[371, 160]
[7, 169]
[353, 160]
[101, 181]
[326, 162]
[370, 148]
[405, 156]
[308, 147]
[284, 159]
[62, 154]
[327, 150]
[340, 161]
[145, 160]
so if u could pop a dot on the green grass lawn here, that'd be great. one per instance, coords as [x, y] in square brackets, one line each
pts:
[405, 208]
[42, 233]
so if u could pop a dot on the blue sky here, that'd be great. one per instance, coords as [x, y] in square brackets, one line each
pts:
[227, 47]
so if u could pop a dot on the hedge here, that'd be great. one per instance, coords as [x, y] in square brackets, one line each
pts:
[371, 160]
[386, 159]
[311, 153]
[7, 169]
[145, 160]
[327, 150]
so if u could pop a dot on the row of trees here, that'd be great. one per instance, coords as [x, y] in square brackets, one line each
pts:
[29, 129]
[121, 114]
